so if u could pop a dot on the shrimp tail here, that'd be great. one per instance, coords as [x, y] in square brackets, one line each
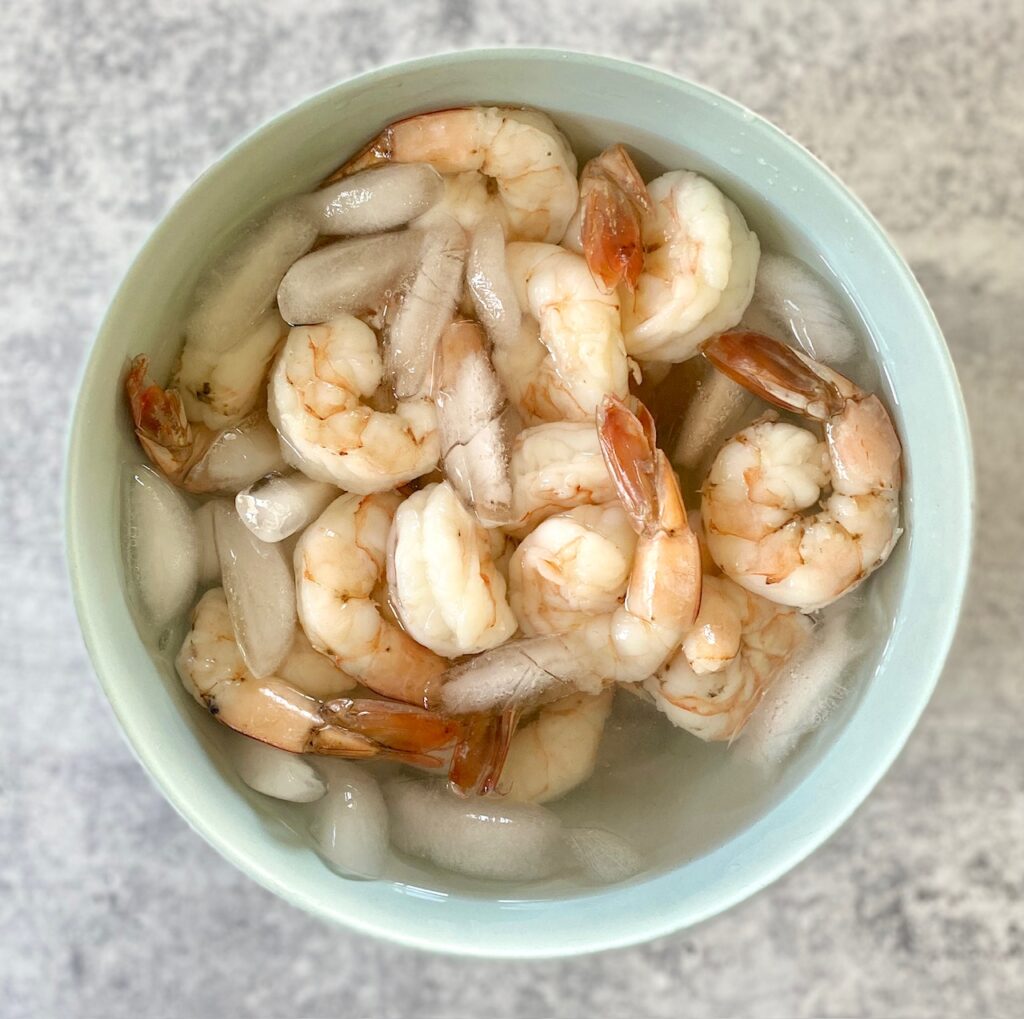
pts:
[665, 581]
[160, 422]
[778, 373]
[392, 728]
[481, 751]
[376, 151]
[863, 445]
[614, 197]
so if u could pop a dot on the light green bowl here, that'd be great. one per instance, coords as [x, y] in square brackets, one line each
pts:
[721, 834]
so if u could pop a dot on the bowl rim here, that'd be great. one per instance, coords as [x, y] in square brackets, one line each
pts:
[616, 922]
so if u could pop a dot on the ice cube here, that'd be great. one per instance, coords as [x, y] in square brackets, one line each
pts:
[260, 590]
[375, 200]
[604, 856]
[162, 545]
[274, 772]
[238, 456]
[793, 303]
[494, 296]
[482, 837]
[276, 507]
[209, 564]
[712, 415]
[240, 288]
[522, 672]
[425, 311]
[803, 693]
[350, 824]
[351, 277]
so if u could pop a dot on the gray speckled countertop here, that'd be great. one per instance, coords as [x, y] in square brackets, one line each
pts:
[110, 905]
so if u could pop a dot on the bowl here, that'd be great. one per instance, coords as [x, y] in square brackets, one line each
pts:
[722, 832]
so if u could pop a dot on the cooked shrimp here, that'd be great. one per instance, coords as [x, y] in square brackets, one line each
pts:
[443, 580]
[554, 467]
[287, 714]
[557, 750]
[277, 712]
[220, 387]
[765, 478]
[318, 388]
[628, 608]
[727, 660]
[193, 456]
[613, 200]
[340, 564]
[513, 165]
[584, 358]
[699, 273]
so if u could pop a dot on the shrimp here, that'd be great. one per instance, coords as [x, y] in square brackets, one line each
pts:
[443, 580]
[554, 467]
[278, 712]
[727, 660]
[286, 713]
[626, 609]
[234, 328]
[193, 456]
[763, 480]
[512, 165]
[557, 750]
[318, 387]
[699, 273]
[582, 357]
[220, 387]
[340, 564]
[613, 199]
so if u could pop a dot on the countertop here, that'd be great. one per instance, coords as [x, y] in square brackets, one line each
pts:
[111, 906]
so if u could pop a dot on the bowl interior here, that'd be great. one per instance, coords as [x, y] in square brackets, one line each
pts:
[715, 829]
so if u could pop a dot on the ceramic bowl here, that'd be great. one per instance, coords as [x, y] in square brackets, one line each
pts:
[716, 831]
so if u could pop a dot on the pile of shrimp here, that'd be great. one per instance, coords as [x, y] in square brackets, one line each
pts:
[415, 415]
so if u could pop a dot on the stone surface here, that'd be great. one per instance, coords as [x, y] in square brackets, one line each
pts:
[110, 905]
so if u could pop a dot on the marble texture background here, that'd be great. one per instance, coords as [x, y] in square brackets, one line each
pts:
[110, 905]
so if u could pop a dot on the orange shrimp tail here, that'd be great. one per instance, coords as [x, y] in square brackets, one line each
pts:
[160, 422]
[774, 371]
[628, 444]
[395, 727]
[381, 149]
[373, 153]
[614, 198]
[480, 754]
[665, 582]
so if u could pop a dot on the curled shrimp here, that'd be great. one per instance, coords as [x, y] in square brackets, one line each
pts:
[698, 277]
[727, 660]
[659, 589]
[443, 578]
[340, 565]
[556, 750]
[580, 356]
[764, 480]
[278, 712]
[319, 391]
[286, 711]
[191, 455]
[512, 165]
[554, 467]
